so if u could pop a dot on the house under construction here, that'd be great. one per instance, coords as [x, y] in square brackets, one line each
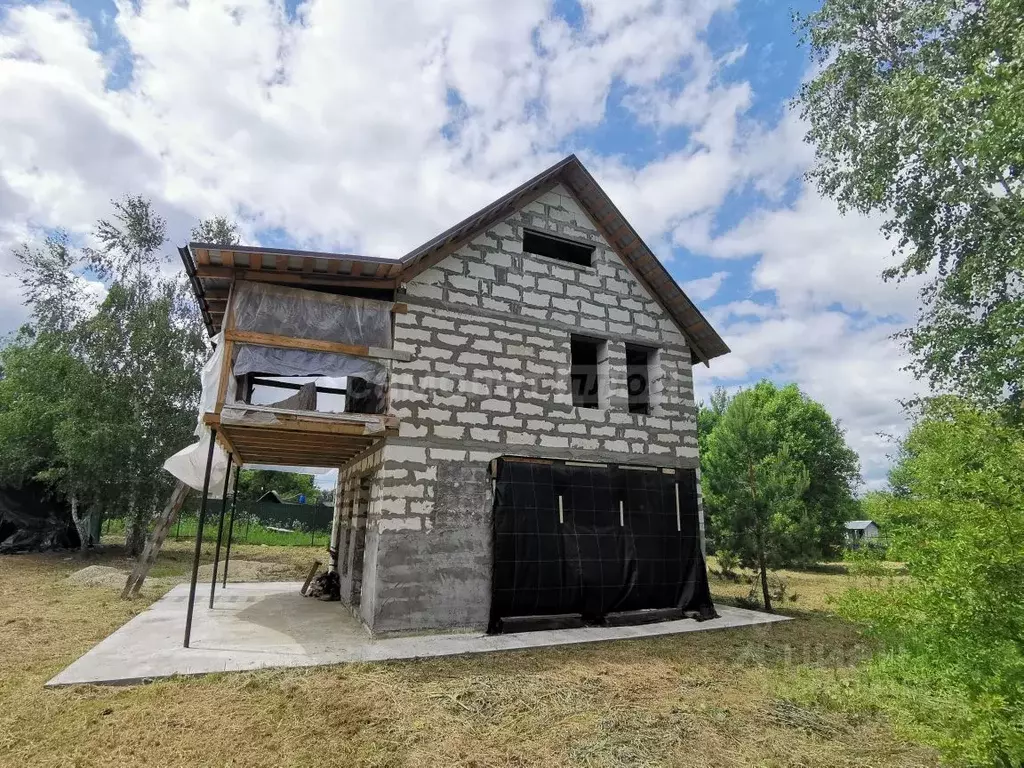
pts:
[517, 443]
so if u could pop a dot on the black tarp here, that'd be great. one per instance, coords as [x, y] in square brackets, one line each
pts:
[618, 548]
[33, 520]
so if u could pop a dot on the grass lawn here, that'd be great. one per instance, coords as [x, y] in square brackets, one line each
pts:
[730, 698]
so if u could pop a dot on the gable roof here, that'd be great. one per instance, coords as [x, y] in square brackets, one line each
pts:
[211, 268]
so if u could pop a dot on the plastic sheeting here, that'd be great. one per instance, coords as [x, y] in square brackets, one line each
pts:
[617, 545]
[295, 313]
[33, 520]
[304, 314]
[273, 361]
[189, 464]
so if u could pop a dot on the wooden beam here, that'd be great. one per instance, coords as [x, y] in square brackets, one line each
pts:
[320, 428]
[301, 422]
[314, 345]
[228, 446]
[293, 277]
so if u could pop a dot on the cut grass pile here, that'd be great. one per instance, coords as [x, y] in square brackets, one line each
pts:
[699, 699]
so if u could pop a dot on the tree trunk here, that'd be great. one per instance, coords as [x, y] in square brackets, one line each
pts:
[135, 531]
[95, 525]
[764, 586]
[80, 525]
[156, 541]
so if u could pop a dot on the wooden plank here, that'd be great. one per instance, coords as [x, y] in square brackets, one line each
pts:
[301, 438]
[281, 263]
[202, 256]
[225, 373]
[227, 258]
[400, 309]
[357, 268]
[227, 445]
[310, 454]
[297, 278]
[315, 345]
[331, 417]
[319, 427]
[314, 455]
[282, 435]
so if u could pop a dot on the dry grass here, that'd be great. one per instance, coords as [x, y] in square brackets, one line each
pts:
[806, 591]
[700, 699]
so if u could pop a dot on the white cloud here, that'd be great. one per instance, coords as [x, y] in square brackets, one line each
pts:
[703, 288]
[354, 127]
[829, 321]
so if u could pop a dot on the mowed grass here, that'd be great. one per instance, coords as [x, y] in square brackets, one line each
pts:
[724, 698]
[244, 532]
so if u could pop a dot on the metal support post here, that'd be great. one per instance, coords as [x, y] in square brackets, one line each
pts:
[199, 538]
[231, 526]
[220, 530]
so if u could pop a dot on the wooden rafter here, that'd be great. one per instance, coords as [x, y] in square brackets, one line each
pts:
[313, 345]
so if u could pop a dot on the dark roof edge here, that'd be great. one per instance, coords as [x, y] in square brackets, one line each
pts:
[501, 202]
[661, 266]
[707, 352]
[197, 286]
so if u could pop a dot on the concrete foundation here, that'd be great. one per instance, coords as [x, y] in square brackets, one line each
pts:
[253, 626]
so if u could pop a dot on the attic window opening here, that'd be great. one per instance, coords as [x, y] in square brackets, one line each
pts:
[584, 371]
[557, 248]
[638, 378]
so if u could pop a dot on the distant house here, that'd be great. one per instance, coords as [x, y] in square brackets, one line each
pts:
[270, 497]
[861, 530]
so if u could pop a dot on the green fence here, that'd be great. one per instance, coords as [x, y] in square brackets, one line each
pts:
[255, 523]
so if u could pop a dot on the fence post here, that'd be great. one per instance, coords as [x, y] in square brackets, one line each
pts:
[312, 527]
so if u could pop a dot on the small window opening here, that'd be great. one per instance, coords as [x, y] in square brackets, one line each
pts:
[583, 372]
[638, 379]
[557, 248]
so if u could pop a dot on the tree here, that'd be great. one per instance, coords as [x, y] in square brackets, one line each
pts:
[709, 415]
[49, 284]
[216, 231]
[915, 113]
[146, 343]
[953, 669]
[44, 390]
[93, 400]
[803, 430]
[752, 487]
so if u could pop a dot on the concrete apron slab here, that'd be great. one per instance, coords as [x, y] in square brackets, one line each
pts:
[253, 626]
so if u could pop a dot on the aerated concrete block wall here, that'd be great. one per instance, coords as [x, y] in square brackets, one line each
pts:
[489, 332]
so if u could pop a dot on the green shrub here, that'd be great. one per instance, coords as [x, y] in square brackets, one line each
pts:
[952, 671]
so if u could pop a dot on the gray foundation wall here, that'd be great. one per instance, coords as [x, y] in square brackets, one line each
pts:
[488, 329]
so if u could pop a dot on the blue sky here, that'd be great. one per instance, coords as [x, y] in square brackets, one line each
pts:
[354, 127]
